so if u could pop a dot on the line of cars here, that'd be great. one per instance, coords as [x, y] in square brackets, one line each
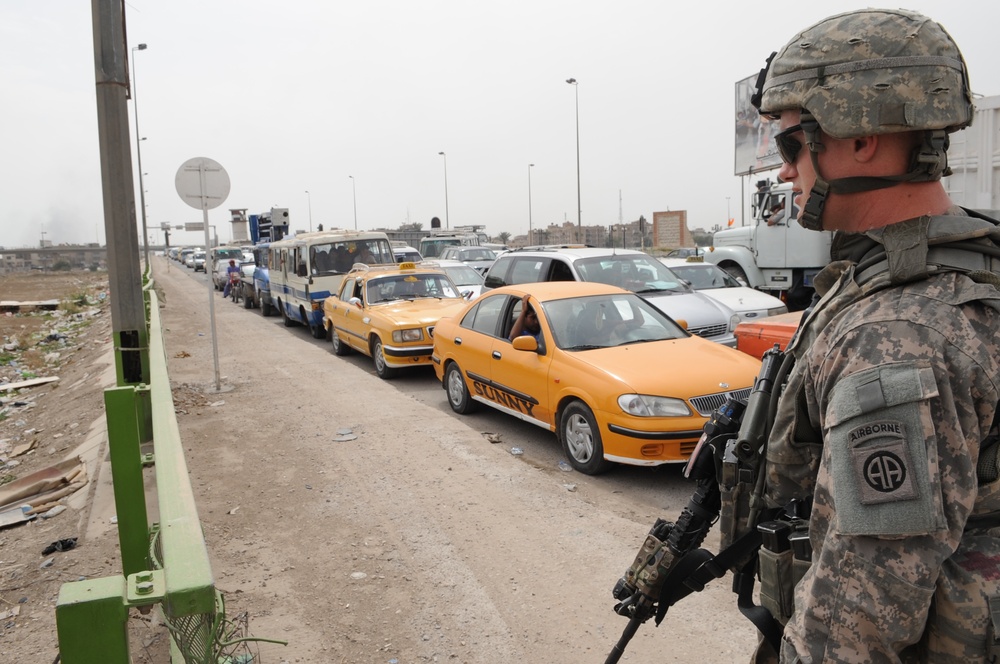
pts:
[627, 365]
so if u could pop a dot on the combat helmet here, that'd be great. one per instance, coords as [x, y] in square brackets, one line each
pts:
[866, 72]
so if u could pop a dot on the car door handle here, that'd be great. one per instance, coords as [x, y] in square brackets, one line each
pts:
[458, 341]
[497, 355]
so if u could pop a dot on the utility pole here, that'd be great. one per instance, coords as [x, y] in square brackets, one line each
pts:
[128, 314]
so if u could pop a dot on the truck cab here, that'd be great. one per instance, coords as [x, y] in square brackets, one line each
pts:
[774, 253]
[430, 246]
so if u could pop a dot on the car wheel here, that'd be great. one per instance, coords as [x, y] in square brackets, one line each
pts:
[458, 392]
[581, 439]
[339, 347]
[247, 299]
[318, 331]
[384, 371]
[285, 320]
[265, 307]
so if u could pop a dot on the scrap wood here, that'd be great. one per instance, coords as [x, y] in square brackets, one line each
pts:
[40, 487]
[24, 448]
[52, 499]
[7, 387]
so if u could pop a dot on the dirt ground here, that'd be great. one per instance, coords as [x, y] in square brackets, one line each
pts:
[342, 516]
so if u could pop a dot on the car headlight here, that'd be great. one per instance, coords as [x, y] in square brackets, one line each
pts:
[400, 336]
[777, 310]
[644, 405]
[734, 320]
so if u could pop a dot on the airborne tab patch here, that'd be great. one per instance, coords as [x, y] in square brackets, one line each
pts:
[881, 462]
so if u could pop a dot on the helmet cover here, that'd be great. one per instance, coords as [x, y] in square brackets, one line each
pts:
[871, 71]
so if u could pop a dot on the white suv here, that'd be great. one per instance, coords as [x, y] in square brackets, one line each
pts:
[632, 270]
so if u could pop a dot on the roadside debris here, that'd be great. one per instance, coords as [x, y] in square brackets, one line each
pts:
[60, 545]
[492, 437]
[344, 435]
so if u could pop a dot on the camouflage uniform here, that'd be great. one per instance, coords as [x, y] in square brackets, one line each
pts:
[881, 424]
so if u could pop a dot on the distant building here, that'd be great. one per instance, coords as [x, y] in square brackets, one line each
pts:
[79, 257]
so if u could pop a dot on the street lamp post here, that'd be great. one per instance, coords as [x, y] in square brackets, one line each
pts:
[310, 198]
[138, 154]
[354, 192]
[579, 209]
[529, 203]
[447, 223]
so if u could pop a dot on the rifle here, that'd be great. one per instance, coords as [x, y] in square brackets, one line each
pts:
[670, 565]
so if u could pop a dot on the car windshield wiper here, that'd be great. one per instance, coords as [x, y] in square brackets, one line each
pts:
[654, 290]
[638, 341]
[584, 347]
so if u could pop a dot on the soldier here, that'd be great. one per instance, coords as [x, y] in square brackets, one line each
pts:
[887, 422]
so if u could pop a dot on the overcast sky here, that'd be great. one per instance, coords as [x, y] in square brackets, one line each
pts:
[297, 96]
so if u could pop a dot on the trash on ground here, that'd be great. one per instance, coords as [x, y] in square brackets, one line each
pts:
[516, 451]
[345, 434]
[55, 511]
[60, 545]
[28, 383]
[492, 437]
[23, 448]
[234, 510]
[14, 515]
[569, 487]
[565, 467]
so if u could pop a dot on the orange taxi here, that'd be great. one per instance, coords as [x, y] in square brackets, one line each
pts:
[614, 377]
[389, 313]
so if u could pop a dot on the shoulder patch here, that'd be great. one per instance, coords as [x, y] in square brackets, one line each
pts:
[881, 462]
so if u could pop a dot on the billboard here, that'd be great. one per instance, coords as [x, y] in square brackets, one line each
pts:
[755, 149]
[670, 230]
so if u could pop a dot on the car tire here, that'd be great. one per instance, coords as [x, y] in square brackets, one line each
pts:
[458, 392]
[266, 309]
[285, 320]
[384, 371]
[581, 439]
[247, 300]
[340, 349]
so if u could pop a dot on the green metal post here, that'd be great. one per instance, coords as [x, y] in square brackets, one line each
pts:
[121, 404]
[91, 622]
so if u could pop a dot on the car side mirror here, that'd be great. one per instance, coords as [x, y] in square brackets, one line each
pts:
[683, 323]
[356, 301]
[526, 343]
[467, 294]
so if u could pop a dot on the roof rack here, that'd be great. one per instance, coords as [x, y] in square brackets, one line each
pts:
[550, 247]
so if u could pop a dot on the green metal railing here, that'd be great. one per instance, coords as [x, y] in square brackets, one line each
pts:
[165, 563]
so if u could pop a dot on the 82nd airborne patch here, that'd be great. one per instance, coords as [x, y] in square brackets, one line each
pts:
[882, 462]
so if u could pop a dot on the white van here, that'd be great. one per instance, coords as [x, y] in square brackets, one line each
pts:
[307, 268]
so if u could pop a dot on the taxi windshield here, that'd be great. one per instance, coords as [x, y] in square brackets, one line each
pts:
[606, 321]
[410, 287]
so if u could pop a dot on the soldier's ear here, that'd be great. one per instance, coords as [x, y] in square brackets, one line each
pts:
[865, 148]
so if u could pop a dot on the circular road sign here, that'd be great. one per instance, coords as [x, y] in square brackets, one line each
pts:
[202, 183]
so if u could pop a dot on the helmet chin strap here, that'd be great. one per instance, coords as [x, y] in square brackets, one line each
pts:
[929, 163]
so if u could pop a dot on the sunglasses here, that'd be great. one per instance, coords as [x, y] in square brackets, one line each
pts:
[788, 147]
